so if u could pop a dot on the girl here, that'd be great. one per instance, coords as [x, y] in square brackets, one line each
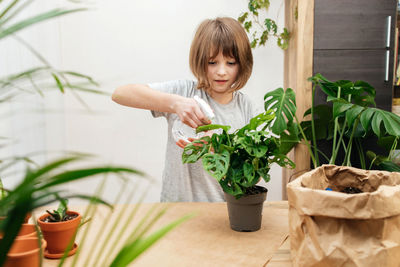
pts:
[221, 60]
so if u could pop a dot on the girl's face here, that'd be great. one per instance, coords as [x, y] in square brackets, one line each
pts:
[221, 74]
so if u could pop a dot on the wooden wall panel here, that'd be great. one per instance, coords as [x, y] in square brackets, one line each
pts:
[298, 67]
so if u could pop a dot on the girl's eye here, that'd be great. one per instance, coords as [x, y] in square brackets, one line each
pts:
[232, 63]
[211, 62]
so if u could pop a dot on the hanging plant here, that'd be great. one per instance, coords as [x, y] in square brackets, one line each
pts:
[262, 30]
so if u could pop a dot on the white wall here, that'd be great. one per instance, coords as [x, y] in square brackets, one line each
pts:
[124, 41]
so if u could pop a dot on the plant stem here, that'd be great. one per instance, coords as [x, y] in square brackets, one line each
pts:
[306, 141]
[361, 153]
[313, 126]
[336, 149]
[394, 145]
[346, 160]
[335, 131]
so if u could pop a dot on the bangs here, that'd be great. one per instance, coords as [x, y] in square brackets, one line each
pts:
[223, 40]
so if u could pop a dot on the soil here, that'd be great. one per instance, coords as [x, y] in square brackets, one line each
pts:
[67, 218]
[351, 190]
[255, 190]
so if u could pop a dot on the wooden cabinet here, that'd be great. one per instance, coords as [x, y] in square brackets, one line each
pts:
[354, 40]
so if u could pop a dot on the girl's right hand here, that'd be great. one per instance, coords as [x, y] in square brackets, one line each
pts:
[189, 112]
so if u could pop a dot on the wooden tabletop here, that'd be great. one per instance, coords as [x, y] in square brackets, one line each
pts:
[204, 240]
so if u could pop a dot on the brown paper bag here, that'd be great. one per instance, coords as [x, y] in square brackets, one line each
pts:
[329, 228]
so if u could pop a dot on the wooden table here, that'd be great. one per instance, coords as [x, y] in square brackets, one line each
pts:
[204, 240]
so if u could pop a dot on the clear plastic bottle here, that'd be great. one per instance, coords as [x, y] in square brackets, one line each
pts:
[181, 131]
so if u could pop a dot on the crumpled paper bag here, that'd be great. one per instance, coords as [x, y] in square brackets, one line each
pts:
[330, 228]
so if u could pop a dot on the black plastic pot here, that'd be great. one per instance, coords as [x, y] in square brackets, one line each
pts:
[245, 213]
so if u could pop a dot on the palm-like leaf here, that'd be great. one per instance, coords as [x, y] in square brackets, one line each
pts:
[36, 186]
[6, 31]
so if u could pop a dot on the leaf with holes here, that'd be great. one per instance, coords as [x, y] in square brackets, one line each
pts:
[216, 164]
[284, 104]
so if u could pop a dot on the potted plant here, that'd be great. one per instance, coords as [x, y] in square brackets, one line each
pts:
[238, 161]
[59, 229]
[355, 206]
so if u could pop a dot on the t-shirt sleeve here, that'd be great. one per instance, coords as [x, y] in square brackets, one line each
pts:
[177, 87]
[251, 109]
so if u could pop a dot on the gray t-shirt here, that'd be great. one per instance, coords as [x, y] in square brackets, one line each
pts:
[190, 182]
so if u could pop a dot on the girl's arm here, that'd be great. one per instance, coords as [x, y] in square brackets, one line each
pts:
[143, 97]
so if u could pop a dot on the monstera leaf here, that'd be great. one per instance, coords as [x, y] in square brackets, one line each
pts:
[195, 150]
[216, 164]
[284, 105]
[359, 92]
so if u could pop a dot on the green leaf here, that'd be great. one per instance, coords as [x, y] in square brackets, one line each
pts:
[196, 149]
[133, 249]
[382, 122]
[271, 25]
[36, 19]
[263, 38]
[216, 164]
[289, 138]
[353, 114]
[59, 84]
[210, 127]
[80, 75]
[73, 175]
[340, 106]
[264, 173]
[284, 105]
[390, 166]
[249, 172]
[256, 149]
[243, 17]
[247, 26]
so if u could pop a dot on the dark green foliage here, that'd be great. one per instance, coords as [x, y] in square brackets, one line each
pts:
[240, 159]
[351, 119]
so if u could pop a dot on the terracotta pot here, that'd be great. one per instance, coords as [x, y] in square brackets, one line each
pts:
[59, 234]
[245, 213]
[27, 230]
[25, 252]
[26, 219]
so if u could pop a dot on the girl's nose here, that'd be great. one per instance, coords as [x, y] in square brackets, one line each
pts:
[221, 70]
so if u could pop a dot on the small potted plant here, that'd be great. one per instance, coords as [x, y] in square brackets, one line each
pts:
[59, 229]
[238, 161]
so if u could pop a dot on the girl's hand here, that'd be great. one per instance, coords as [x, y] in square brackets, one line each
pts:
[182, 143]
[190, 113]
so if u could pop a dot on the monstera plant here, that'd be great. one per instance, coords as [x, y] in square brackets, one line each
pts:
[348, 119]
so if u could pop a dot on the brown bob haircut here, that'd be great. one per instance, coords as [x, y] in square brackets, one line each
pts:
[220, 34]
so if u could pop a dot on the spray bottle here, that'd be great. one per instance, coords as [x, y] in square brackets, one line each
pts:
[183, 131]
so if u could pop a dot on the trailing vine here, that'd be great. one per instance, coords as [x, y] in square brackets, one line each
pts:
[268, 28]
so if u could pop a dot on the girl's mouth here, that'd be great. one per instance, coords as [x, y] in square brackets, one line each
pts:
[221, 81]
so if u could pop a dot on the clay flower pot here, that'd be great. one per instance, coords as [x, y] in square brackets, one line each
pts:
[27, 230]
[25, 252]
[245, 213]
[59, 234]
